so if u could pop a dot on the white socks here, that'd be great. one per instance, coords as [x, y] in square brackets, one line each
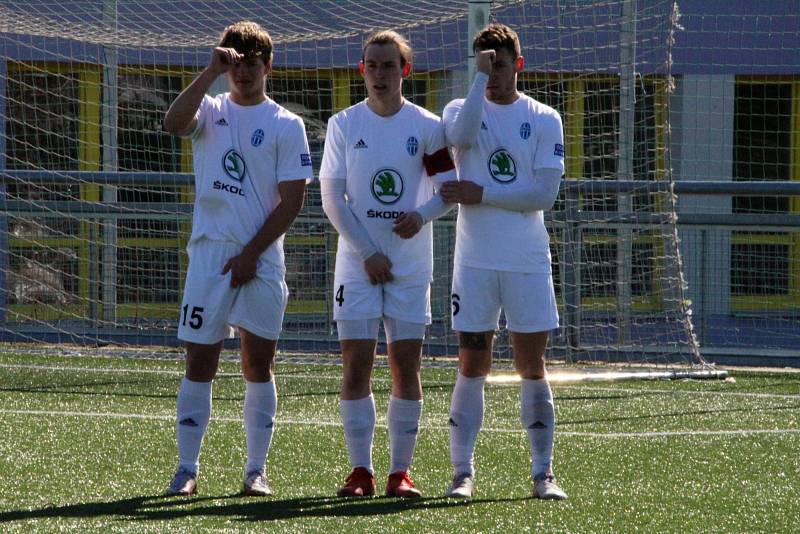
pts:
[358, 418]
[403, 418]
[193, 413]
[539, 418]
[260, 405]
[466, 417]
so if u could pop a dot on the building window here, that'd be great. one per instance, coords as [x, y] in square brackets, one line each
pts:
[764, 268]
[599, 271]
[143, 145]
[147, 275]
[762, 141]
[42, 123]
[759, 269]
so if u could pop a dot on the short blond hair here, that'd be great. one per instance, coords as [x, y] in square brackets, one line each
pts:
[249, 39]
[383, 37]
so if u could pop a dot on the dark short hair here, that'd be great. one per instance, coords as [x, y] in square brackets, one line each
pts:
[497, 36]
[249, 39]
[383, 37]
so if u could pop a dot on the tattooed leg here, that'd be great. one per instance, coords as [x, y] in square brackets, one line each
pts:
[475, 353]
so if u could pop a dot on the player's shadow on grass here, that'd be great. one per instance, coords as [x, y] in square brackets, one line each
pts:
[608, 396]
[428, 388]
[83, 388]
[159, 508]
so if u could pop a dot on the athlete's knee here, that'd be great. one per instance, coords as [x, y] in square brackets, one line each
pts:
[257, 369]
[531, 368]
[202, 361]
[356, 379]
[475, 341]
[406, 373]
[475, 364]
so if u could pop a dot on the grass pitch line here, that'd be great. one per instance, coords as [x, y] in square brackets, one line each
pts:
[311, 422]
[687, 392]
[307, 376]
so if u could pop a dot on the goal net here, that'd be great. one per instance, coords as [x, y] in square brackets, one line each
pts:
[97, 198]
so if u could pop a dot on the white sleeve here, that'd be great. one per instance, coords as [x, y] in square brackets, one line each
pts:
[335, 207]
[550, 143]
[538, 194]
[200, 115]
[334, 158]
[463, 123]
[294, 157]
[433, 209]
[439, 169]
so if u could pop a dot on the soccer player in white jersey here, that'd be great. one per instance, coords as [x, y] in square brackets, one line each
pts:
[251, 163]
[509, 155]
[382, 160]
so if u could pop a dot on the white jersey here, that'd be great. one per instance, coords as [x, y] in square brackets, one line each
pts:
[240, 155]
[389, 165]
[514, 140]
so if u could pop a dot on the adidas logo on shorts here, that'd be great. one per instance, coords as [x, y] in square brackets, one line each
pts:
[360, 144]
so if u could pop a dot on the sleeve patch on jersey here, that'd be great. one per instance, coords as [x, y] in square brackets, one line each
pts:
[437, 162]
[305, 160]
[559, 151]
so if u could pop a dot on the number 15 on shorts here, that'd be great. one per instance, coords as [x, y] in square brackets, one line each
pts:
[195, 318]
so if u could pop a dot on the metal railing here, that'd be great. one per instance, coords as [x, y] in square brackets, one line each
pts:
[752, 329]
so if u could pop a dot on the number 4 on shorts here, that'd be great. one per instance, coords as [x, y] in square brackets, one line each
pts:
[340, 295]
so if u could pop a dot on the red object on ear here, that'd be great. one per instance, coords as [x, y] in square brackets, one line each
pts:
[406, 69]
[361, 67]
[520, 63]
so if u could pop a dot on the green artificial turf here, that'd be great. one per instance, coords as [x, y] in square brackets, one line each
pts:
[87, 445]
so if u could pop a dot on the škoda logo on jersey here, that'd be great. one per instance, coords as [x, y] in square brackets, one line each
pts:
[233, 165]
[502, 166]
[387, 186]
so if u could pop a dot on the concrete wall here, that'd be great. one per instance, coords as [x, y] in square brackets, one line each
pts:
[702, 121]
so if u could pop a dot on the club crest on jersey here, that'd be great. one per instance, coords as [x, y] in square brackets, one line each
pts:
[525, 130]
[233, 165]
[387, 186]
[502, 166]
[412, 145]
[257, 138]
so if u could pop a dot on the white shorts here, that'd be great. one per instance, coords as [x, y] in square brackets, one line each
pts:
[407, 300]
[528, 300]
[210, 306]
[395, 329]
